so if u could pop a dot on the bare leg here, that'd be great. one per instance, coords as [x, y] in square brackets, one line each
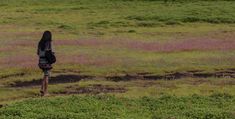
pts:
[42, 86]
[45, 85]
[46, 79]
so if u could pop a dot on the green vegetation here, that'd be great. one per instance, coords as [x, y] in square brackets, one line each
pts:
[128, 89]
[114, 21]
[217, 106]
[107, 18]
[120, 58]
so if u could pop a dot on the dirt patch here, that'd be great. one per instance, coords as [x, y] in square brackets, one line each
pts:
[125, 77]
[92, 89]
[174, 75]
[53, 80]
[226, 74]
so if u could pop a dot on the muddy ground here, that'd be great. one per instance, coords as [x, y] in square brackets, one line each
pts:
[226, 73]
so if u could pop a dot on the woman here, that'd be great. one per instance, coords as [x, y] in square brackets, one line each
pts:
[43, 46]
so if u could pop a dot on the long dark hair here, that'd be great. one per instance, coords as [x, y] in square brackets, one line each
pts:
[46, 37]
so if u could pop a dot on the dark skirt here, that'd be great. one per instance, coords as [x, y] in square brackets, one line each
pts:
[45, 66]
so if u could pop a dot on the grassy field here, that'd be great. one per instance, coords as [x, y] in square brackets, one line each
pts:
[133, 58]
[109, 107]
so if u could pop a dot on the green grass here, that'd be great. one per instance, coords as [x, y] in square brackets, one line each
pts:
[134, 88]
[108, 20]
[217, 106]
[113, 24]
[104, 18]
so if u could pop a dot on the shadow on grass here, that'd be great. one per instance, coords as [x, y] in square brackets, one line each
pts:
[53, 80]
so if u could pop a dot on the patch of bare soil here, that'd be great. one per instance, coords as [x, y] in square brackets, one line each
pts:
[53, 80]
[228, 73]
[92, 89]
